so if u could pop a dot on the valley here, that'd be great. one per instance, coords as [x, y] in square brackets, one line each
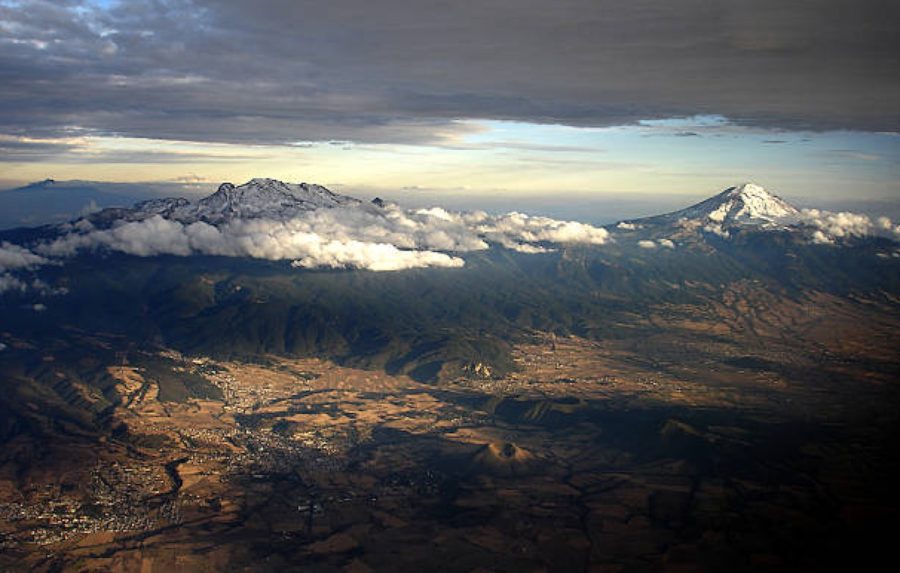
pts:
[680, 449]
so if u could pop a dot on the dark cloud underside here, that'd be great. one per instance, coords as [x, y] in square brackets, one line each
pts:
[401, 70]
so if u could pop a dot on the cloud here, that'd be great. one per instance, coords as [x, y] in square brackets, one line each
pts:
[529, 249]
[14, 261]
[516, 228]
[371, 256]
[352, 237]
[823, 227]
[829, 226]
[717, 229]
[280, 71]
[9, 282]
[16, 257]
[648, 244]
[26, 149]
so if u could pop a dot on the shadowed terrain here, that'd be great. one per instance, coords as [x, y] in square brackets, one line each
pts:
[727, 404]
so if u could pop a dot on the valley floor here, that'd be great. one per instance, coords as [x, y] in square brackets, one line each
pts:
[645, 454]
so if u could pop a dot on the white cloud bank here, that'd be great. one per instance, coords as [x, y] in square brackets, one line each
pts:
[351, 237]
[823, 227]
[829, 227]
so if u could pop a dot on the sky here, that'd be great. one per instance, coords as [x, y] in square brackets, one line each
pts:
[511, 101]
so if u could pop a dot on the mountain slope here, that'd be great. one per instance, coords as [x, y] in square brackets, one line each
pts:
[50, 201]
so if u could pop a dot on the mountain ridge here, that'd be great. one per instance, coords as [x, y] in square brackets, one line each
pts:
[739, 209]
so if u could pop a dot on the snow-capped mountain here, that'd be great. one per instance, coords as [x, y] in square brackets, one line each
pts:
[747, 204]
[740, 209]
[256, 199]
[750, 209]
[267, 198]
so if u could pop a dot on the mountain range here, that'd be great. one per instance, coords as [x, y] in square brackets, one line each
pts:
[267, 267]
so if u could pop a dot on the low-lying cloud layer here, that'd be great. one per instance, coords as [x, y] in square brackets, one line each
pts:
[831, 226]
[353, 237]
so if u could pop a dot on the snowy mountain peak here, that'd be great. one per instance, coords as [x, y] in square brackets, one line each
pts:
[268, 198]
[748, 202]
[745, 204]
[255, 199]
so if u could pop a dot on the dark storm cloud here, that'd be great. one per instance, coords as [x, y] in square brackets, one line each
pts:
[402, 70]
